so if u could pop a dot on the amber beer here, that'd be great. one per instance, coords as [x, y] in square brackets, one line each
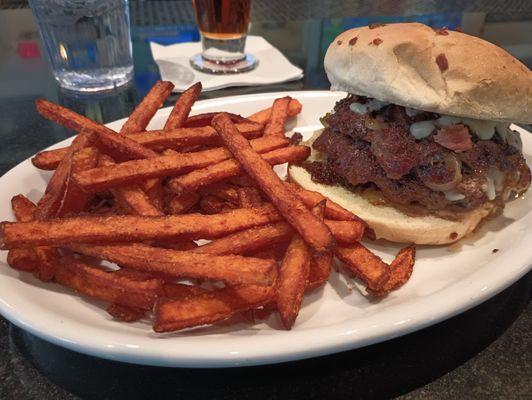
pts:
[223, 19]
[223, 25]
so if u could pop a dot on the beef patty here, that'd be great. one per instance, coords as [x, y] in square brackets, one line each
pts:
[449, 169]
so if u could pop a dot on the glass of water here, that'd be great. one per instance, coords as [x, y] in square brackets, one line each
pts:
[87, 41]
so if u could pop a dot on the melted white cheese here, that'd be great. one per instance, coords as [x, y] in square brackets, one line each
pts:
[411, 111]
[371, 105]
[482, 128]
[422, 129]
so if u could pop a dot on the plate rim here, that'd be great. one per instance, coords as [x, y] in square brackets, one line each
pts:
[333, 341]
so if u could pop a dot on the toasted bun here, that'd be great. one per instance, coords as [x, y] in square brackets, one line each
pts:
[388, 222]
[481, 80]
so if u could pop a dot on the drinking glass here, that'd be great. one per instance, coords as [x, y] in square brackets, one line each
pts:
[223, 25]
[87, 41]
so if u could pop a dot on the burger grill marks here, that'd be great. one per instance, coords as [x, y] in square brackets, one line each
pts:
[417, 157]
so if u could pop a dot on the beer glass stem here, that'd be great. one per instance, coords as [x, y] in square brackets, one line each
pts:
[223, 51]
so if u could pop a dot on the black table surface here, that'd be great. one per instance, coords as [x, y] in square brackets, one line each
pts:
[485, 352]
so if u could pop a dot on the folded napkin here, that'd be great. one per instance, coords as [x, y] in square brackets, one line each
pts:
[174, 66]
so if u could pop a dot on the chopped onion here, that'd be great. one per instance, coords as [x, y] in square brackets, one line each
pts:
[497, 177]
[514, 140]
[452, 162]
[502, 129]
[422, 129]
[490, 188]
[453, 195]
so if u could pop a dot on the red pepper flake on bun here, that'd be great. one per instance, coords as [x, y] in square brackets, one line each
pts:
[339, 42]
[442, 62]
[353, 41]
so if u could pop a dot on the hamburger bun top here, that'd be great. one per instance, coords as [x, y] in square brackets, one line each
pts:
[442, 71]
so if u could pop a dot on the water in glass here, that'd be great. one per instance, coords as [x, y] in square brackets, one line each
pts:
[87, 41]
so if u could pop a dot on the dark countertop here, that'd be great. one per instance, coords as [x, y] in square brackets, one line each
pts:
[485, 352]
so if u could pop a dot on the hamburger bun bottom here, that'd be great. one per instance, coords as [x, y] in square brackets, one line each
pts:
[388, 222]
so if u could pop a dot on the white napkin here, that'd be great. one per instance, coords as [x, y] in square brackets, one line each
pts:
[174, 66]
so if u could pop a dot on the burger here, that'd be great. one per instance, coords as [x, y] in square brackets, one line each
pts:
[421, 147]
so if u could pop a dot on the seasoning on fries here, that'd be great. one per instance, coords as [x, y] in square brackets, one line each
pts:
[140, 199]
[296, 213]
[141, 116]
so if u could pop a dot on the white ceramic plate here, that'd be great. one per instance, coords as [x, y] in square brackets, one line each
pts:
[445, 282]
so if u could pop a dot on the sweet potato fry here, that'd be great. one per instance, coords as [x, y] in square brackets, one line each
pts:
[49, 204]
[181, 138]
[132, 198]
[279, 114]
[400, 270]
[112, 143]
[121, 147]
[23, 259]
[180, 204]
[346, 232]
[205, 119]
[49, 159]
[222, 190]
[332, 209]
[146, 109]
[177, 139]
[75, 199]
[293, 277]
[320, 262]
[244, 180]
[138, 275]
[248, 240]
[230, 168]
[208, 308]
[249, 197]
[182, 107]
[178, 291]
[68, 118]
[311, 229]
[155, 192]
[263, 116]
[364, 265]
[180, 246]
[124, 313]
[126, 228]
[210, 204]
[183, 264]
[99, 179]
[41, 257]
[23, 208]
[320, 269]
[108, 286]
[275, 252]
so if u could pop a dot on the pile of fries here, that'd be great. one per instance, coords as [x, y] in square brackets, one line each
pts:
[141, 199]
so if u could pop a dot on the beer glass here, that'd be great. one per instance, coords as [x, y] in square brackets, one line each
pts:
[223, 25]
